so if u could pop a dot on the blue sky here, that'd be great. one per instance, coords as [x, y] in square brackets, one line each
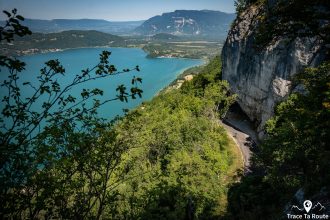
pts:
[115, 10]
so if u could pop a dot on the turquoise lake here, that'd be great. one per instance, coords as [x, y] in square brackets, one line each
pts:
[156, 73]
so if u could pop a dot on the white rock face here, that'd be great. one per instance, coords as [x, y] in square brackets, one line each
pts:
[262, 78]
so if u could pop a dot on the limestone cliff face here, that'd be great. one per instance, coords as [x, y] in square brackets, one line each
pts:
[262, 78]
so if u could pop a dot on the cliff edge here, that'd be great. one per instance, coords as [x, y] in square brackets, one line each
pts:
[262, 77]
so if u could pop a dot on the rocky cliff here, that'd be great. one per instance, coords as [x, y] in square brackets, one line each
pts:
[204, 23]
[261, 78]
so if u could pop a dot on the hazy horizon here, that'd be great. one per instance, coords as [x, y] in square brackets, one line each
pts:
[2, 18]
[109, 10]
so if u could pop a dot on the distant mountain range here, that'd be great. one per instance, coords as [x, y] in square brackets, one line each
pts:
[59, 25]
[188, 22]
[205, 23]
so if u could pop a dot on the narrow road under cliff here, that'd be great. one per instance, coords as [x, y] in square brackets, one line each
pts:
[240, 129]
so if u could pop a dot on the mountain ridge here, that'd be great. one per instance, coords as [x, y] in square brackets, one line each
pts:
[188, 22]
[59, 25]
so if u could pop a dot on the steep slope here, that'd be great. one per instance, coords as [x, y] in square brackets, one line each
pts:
[262, 77]
[188, 22]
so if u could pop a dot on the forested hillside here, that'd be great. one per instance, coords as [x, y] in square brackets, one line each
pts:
[40, 42]
[180, 160]
[167, 159]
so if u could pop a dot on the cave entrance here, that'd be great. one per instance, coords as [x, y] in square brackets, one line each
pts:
[236, 111]
[239, 120]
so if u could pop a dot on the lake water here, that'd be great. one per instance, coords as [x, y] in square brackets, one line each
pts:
[155, 73]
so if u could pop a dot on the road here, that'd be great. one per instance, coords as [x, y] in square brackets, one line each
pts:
[241, 131]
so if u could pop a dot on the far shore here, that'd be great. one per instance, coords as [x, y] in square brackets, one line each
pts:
[55, 50]
[175, 84]
[35, 51]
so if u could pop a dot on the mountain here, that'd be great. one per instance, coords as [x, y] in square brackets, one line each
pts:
[188, 22]
[41, 42]
[58, 25]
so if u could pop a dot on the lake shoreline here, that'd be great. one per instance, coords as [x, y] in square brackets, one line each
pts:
[171, 84]
[35, 51]
[174, 82]
[157, 74]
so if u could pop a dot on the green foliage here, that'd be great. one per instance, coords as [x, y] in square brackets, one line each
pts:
[209, 85]
[208, 75]
[58, 159]
[292, 19]
[179, 157]
[240, 5]
[296, 153]
[58, 104]
[300, 132]
[11, 29]
[68, 174]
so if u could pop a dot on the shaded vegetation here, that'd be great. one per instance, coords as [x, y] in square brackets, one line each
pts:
[294, 156]
[289, 19]
[292, 164]
[57, 159]
[294, 18]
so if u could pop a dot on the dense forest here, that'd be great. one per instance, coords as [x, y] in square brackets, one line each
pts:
[183, 159]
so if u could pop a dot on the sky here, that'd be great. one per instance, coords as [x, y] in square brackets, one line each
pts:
[111, 10]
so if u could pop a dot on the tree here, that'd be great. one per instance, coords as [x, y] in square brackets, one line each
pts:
[182, 157]
[11, 28]
[295, 155]
[59, 162]
[291, 19]
[240, 5]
